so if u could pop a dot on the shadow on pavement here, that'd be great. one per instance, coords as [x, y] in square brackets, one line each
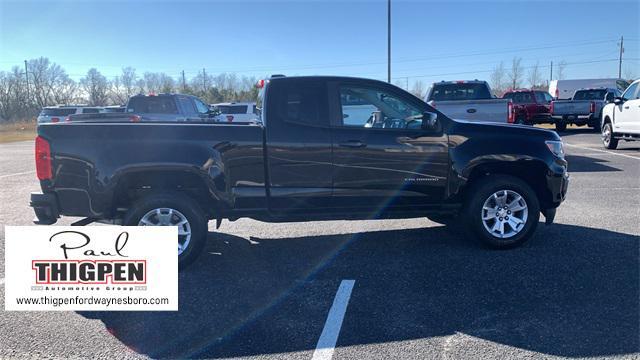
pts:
[570, 291]
[579, 163]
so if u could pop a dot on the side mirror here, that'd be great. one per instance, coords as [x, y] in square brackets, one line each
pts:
[618, 100]
[429, 121]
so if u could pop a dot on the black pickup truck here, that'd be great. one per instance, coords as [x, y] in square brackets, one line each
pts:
[326, 148]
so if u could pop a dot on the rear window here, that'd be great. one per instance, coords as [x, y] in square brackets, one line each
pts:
[90, 110]
[466, 91]
[58, 112]
[113, 110]
[519, 97]
[152, 105]
[589, 95]
[232, 109]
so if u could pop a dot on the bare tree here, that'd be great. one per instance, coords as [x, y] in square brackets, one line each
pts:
[124, 86]
[419, 89]
[96, 87]
[535, 76]
[516, 72]
[497, 79]
[65, 92]
[561, 68]
[45, 77]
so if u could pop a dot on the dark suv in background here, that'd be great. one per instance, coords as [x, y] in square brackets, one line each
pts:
[530, 106]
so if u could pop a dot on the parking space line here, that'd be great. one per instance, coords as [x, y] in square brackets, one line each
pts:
[329, 337]
[16, 174]
[1, 281]
[602, 151]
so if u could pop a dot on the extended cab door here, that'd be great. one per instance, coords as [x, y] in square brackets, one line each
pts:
[383, 159]
[298, 145]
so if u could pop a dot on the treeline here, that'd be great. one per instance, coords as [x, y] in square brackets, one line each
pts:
[47, 83]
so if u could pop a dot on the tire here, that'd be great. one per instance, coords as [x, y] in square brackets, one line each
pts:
[520, 120]
[608, 140]
[182, 208]
[483, 192]
[561, 126]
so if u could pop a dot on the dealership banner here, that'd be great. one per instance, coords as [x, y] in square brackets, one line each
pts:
[91, 268]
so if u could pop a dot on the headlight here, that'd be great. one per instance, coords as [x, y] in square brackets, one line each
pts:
[555, 147]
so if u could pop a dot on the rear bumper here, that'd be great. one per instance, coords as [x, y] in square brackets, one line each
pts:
[46, 208]
[573, 118]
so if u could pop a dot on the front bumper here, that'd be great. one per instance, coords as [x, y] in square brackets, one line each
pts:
[46, 208]
[558, 182]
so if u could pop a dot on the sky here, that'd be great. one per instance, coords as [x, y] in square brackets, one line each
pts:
[431, 40]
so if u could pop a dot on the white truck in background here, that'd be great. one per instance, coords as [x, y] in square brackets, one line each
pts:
[469, 100]
[564, 89]
[621, 118]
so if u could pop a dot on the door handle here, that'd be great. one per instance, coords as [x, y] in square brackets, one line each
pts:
[353, 144]
[471, 110]
[626, 107]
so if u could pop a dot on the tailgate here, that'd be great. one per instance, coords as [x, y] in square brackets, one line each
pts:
[492, 110]
[571, 108]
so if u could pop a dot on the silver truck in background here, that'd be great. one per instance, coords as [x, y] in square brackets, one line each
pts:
[584, 108]
[469, 100]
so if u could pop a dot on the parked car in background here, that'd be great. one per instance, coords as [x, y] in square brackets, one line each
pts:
[530, 106]
[305, 163]
[564, 89]
[156, 108]
[469, 100]
[54, 114]
[236, 111]
[585, 108]
[621, 117]
[114, 109]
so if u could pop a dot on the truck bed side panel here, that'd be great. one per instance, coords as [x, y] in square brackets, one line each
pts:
[89, 160]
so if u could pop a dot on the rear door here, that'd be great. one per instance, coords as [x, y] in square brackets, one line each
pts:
[298, 140]
[383, 160]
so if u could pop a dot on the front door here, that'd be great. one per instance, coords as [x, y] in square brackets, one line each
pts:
[383, 159]
[627, 117]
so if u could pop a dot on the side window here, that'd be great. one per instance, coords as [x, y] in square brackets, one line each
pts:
[186, 105]
[373, 108]
[548, 97]
[300, 103]
[610, 96]
[630, 93]
[201, 107]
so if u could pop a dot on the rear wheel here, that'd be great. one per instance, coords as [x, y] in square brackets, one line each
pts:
[607, 137]
[502, 211]
[561, 126]
[173, 210]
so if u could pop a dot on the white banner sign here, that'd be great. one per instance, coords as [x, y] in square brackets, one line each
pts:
[91, 268]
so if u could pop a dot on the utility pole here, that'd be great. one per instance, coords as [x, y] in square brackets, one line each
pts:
[184, 83]
[26, 76]
[389, 41]
[551, 74]
[204, 80]
[620, 60]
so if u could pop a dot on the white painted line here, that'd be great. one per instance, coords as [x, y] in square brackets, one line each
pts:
[16, 174]
[327, 342]
[2, 281]
[603, 151]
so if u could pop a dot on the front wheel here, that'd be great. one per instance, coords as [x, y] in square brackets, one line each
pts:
[173, 210]
[502, 211]
[561, 126]
[607, 137]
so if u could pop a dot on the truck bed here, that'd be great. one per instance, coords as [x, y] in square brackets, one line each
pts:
[203, 150]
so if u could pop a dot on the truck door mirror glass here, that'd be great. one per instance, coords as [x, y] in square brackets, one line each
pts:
[429, 121]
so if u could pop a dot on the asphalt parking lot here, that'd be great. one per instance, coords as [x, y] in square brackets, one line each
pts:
[420, 290]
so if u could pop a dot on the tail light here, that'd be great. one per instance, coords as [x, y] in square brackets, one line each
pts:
[510, 115]
[260, 84]
[229, 118]
[551, 108]
[67, 119]
[135, 118]
[592, 107]
[43, 159]
[557, 93]
[55, 119]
